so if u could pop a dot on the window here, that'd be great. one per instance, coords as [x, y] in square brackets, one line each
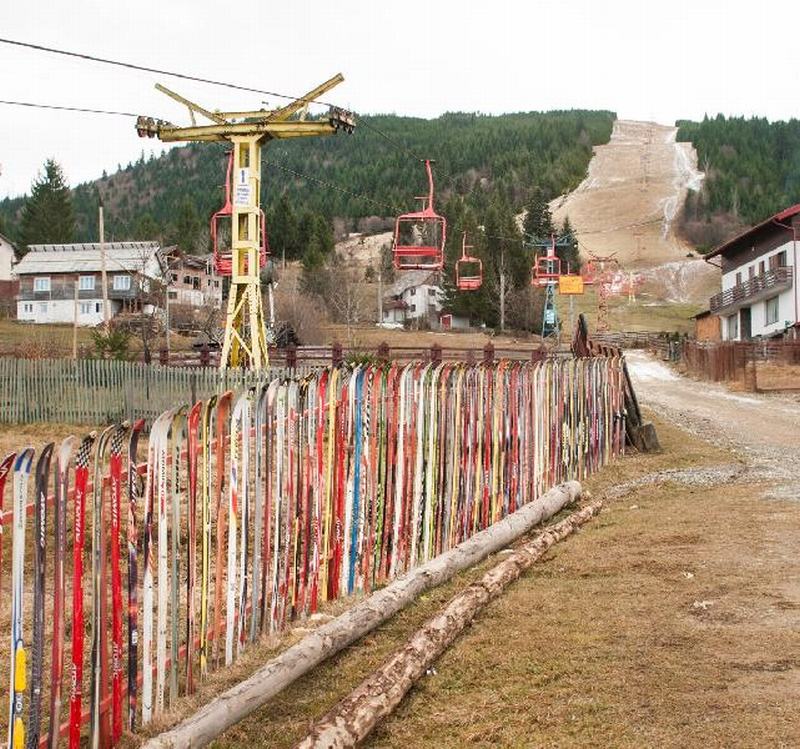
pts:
[733, 327]
[86, 283]
[216, 284]
[187, 280]
[752, 271]
[41, 284]
[413, 292]
[173, 277]
[122, 283]
[431, 292]
[412, 307]
[97, 307]
[28, 308]
[42, 308]
[173, 294]
[782, 259]
[739, 279]
[772, 310]
[86, 308]
[761, 268]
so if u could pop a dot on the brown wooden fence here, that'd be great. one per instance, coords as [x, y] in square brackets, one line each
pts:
[735, 361]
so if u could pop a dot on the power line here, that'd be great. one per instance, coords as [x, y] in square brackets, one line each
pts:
[65, 109]
[147, 69]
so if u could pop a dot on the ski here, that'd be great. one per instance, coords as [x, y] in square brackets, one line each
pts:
[193, 450]
[42, 483]
[134, 495]
[63, 459]
[98, 589]
[205, 543]
[154, 449]
[223, 411]
[78, 626]
[6, 467]
[18, 670]
[177, 435]
[115, 470]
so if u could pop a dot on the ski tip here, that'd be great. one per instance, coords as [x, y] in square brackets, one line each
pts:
[24, 459]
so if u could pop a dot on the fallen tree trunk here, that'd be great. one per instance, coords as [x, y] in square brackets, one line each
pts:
[239, 701]
[351, 721]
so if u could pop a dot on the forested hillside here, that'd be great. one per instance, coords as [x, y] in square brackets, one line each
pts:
[752, 169]
[374, 172]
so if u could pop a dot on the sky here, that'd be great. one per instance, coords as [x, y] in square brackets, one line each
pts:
[644, 60]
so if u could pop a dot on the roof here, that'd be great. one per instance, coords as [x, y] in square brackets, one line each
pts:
[781, 216]
[412, 278]
[9, 242]
[76, 258]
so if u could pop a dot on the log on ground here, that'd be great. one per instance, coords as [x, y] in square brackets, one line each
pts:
[241, 700]
[352, 720]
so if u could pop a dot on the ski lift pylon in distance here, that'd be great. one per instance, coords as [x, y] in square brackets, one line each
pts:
[419, 236]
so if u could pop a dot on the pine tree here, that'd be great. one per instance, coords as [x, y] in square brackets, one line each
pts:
[568, 250]
[47, 216]
[538, 224]
[186, 228]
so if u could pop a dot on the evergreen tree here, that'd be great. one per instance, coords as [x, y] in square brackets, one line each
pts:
[47, 216]
[568, 250]
[538, 223]
[146, 228]
[186, 228]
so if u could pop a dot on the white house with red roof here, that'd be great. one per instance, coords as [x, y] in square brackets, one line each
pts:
[760, 295]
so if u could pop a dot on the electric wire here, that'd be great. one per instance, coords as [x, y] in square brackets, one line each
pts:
[36, 105]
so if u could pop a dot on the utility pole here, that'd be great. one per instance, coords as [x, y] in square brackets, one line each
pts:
[380, 295]
[103, 274]
[75, 321]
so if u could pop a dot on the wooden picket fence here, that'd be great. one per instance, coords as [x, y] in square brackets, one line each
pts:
[98, 391]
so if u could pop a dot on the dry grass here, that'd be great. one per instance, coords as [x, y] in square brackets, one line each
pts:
[607, 647]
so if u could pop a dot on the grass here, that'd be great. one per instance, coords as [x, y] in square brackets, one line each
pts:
[602, 644]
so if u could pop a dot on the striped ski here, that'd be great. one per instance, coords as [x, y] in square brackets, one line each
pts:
[18, 670]
[134, 495]
[42, 482]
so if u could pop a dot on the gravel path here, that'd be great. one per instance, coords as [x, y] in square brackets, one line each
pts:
[762, 431]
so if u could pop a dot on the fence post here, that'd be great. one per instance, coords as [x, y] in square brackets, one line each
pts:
[291, 356]
[436, 353]
[383, 351]
[488, 353]
[336, 354]
[163, 356]
[205, 356]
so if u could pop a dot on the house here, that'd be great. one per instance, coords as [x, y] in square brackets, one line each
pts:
[415, 297]
[193, 282]
[61, 282]
[759, 296]
[9, 285]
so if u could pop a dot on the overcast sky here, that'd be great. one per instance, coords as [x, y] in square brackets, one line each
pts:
[644, 60]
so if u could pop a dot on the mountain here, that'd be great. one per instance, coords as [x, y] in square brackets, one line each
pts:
[752, 169]
[375, 172]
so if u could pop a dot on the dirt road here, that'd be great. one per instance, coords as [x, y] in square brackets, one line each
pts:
[761, 430]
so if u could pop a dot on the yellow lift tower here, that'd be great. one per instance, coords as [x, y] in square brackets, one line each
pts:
[245, 329]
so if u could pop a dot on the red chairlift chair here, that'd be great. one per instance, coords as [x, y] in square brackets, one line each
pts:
[546, 270]
[469, 269]
[223, 258]
[419, 237]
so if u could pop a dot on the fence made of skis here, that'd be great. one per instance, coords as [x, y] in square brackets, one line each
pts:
[138, 577]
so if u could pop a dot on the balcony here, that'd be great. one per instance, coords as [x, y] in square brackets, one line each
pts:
[752, 290]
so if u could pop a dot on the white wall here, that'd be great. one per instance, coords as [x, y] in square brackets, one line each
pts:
[63, 311]
[6, 259]
[425, 299]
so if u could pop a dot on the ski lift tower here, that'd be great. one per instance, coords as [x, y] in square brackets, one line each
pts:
[545, 274]
[245, 343]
